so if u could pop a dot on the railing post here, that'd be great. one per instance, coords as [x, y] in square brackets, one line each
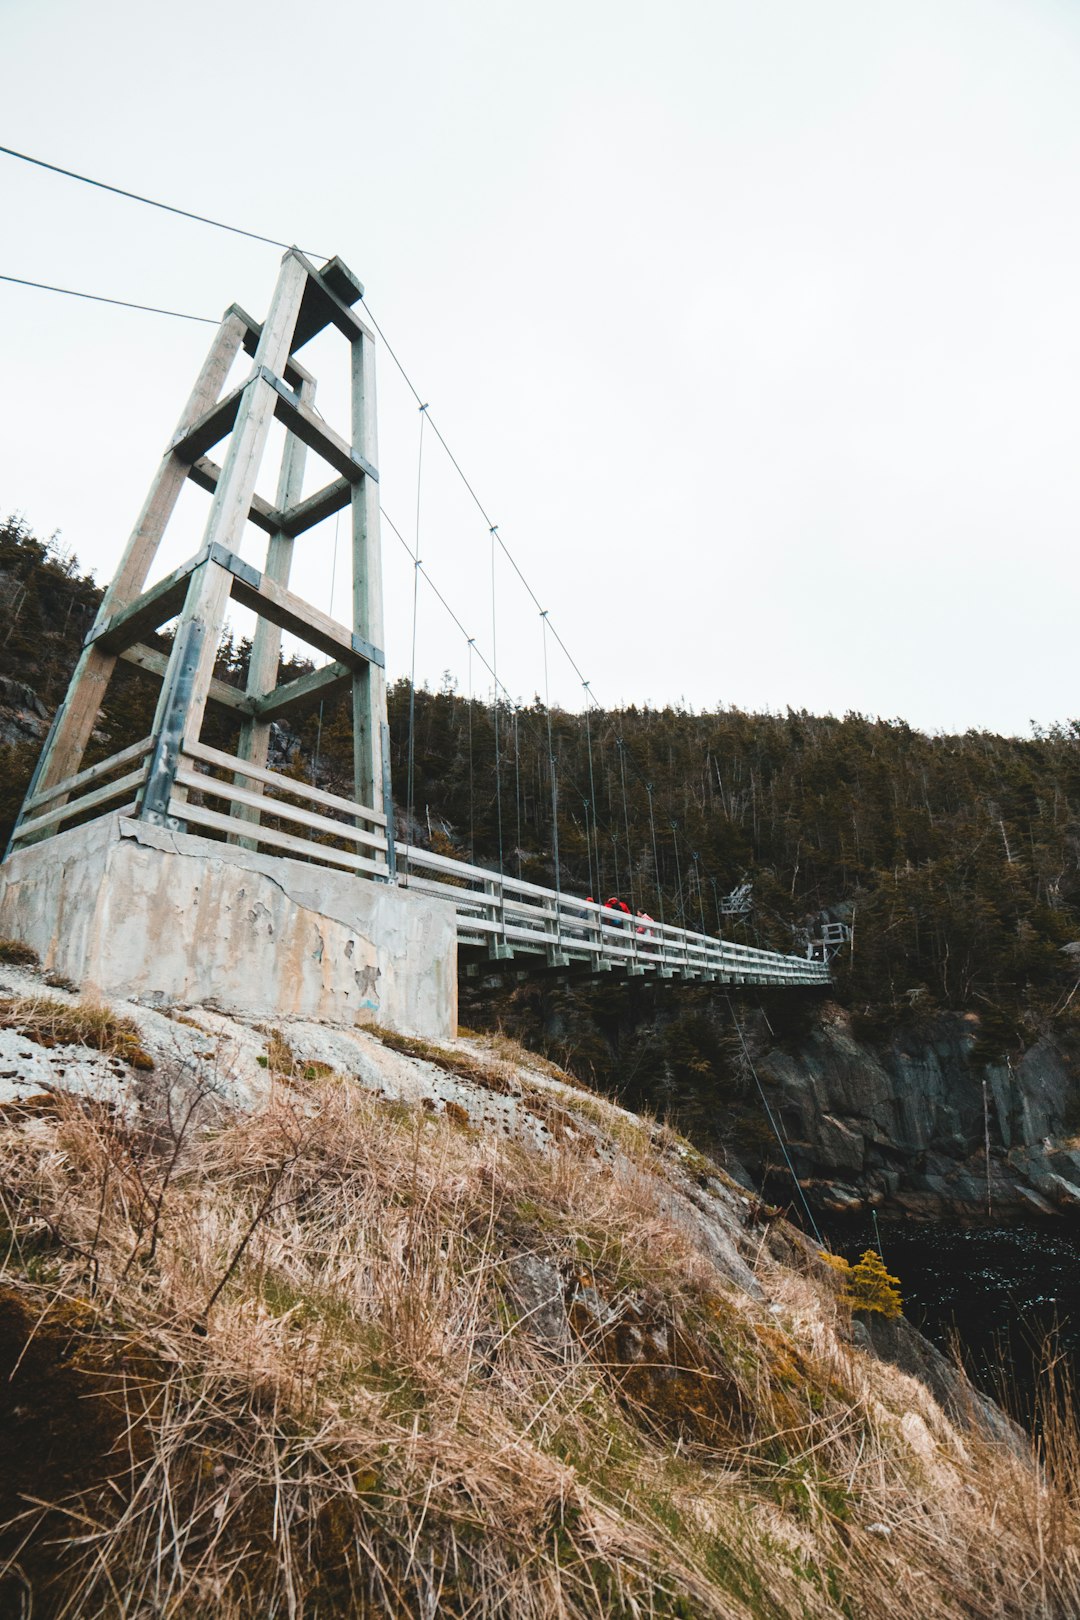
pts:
[596, 938]
[556, 956]
[388, 807]
[500, 950]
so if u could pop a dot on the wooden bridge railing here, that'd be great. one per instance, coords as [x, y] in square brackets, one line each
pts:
[258, 808]
[89, 790]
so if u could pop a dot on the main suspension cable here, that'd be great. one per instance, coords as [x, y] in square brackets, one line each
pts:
[256, 236]
[236, 230]
[134, 196]
[119, 303]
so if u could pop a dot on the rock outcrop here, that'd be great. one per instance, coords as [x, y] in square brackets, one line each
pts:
[23, 716]
[897, 1121]
[904, 1124]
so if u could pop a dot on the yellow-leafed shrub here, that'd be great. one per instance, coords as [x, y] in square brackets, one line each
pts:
[867, 1286]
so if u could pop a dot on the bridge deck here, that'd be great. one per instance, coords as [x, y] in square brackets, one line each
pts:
[499, 918]
[505, 917]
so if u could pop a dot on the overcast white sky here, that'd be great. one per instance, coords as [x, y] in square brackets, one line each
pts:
[755, 323]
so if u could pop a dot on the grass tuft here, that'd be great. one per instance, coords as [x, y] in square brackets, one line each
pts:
[50, 1022]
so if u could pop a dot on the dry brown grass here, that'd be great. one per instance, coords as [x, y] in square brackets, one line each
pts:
[511, 1051]
[493, 1074]
[289, 1375]
[51, 1022]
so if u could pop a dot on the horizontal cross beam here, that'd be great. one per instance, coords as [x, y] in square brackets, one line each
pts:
[309, 624]
[295, 374]
[328, 299]
[310, 429]
[156, 662]
[304, 693]
[295, 520]
[148, 612]
[291, 411]
[252, 590]
[314, 508]
[206, 474]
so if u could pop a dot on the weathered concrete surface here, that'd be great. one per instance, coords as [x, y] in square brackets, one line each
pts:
[170, 919]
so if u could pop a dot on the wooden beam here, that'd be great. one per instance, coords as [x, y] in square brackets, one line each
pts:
[148, 612]
[146, 537]
[207, 473]
[304, 693]
[295, 374]
[328, 299]
[210, 428]
[284, 784]
[323, 504]
[371, 753]
[77, 715]
[196, 782]
[155, 662]
[91, 801]
[265, 656]
[321, 854]
[186, 689]
[309, 624]
[308, 426]
[92, 774]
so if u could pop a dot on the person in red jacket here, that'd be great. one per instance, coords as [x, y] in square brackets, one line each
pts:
[619, 907]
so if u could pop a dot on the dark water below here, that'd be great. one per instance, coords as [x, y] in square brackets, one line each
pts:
[998, 1290]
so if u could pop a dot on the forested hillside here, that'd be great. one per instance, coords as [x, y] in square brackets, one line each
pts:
[955, 858]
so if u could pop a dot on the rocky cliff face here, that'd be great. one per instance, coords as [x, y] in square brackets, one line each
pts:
[905, 1123]
[898, 1122]
[23, 716]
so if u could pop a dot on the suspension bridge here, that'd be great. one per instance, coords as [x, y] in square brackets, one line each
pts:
[174, 781]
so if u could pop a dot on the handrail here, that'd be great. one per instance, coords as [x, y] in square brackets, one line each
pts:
[529, 917]
[281, 782]
[93, 773]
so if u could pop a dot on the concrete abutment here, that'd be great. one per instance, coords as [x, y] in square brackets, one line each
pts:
[126, 909]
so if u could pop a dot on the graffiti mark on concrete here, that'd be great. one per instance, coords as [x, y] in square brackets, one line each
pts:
[256, 915]
[365, 982]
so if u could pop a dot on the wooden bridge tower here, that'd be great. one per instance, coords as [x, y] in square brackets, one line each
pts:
[306, 301]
